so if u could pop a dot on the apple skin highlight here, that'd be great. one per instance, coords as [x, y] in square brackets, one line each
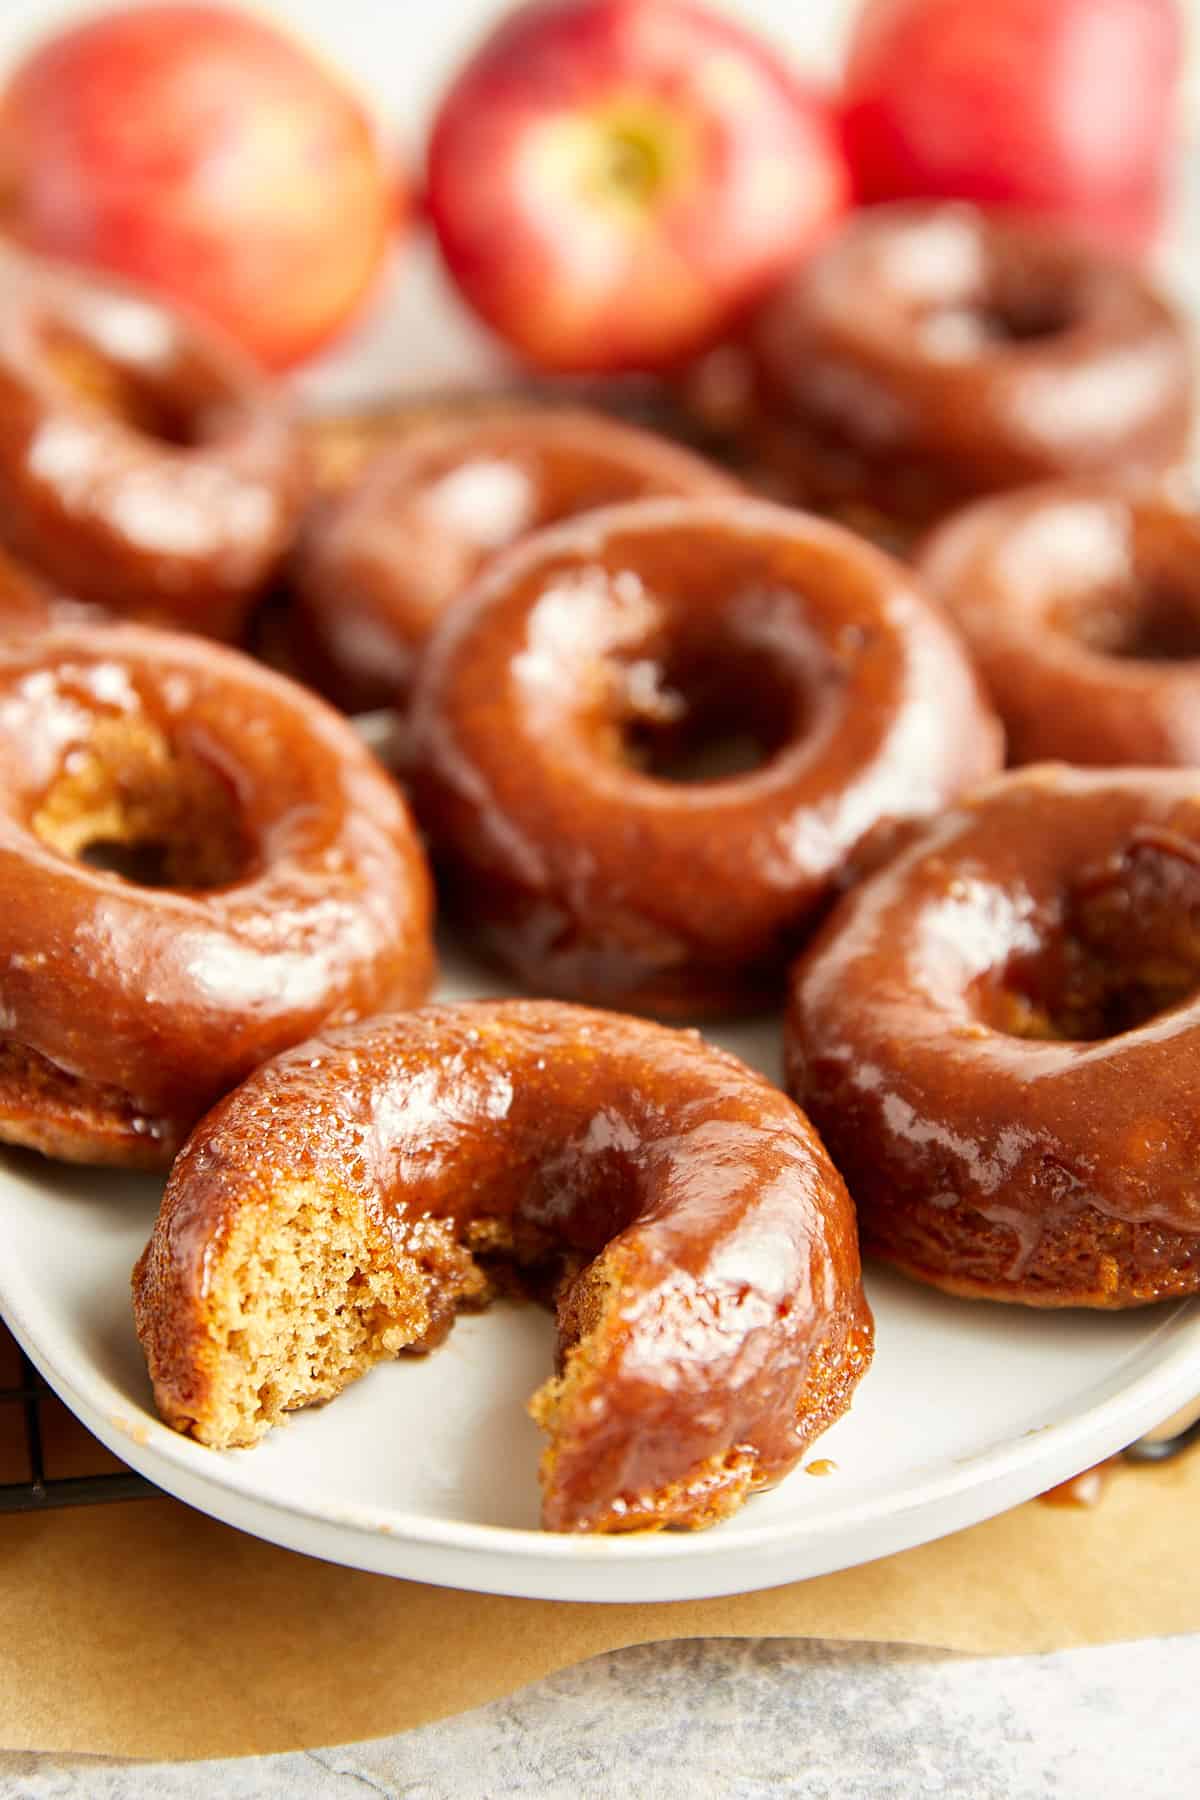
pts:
[614, 182]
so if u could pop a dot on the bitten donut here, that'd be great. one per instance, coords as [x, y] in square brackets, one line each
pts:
[931, 352]
[354, 1194]
[638, 635]
[997, 1036]
[199, 865]
[1080, 603]
[377, 566]
[144, 465]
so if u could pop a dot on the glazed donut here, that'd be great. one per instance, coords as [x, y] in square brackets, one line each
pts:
[288, 886]
[931, 351]
[648, 630]
[144, 465]
[1080, 603]
[997, 1037]
[378, 566]
[333, 1210]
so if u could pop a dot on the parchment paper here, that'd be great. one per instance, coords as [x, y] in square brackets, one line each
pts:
[148, 1630]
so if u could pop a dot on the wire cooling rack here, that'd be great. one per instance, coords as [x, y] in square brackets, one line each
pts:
[1162, 1449]
[37, 1489]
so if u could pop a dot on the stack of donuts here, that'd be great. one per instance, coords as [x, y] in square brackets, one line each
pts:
[672, 741]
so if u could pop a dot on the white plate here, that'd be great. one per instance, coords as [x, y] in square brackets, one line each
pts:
[427, 1467]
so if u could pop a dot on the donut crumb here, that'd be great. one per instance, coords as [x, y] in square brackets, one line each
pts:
[304, 1303]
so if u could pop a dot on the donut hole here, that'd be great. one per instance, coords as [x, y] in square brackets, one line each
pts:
[1125, 949]
[707, 713]
[1154, 620]
[131, 803]
[104, 386]
[1026, 317]
[1077, 997]
[1000, 315]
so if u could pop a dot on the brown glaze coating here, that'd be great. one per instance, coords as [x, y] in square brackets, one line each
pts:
[291, 886]
[29, 604]
[931, 352]
[1080, 603]
[711, 1315]
[25, 603]
[662, 624]
[997, 1036]
[144, 464]
[377, 567]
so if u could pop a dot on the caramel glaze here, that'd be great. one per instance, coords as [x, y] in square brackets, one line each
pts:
[126, 1010]
[145, 465]
[1080, 602]
[711, 1315]
[997, 1036]
[378, 565]
[29, 604]
[25, 603]
[597, 880]
[932, 351]
[1084, 1490]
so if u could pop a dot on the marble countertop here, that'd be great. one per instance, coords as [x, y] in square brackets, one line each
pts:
[739, 1720]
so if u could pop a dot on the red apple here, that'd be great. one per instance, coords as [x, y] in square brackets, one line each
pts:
[613, 181]
[206, 155]
[1058, 107]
